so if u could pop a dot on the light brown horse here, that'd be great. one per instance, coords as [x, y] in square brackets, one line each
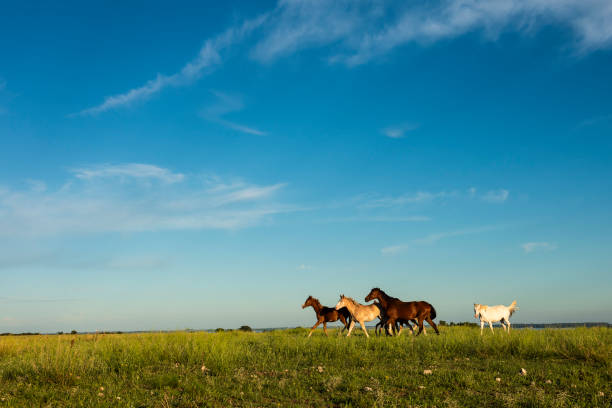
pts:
[397, 310]
[359, 312]
[327, 314]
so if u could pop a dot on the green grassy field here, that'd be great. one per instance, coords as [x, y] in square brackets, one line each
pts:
[284, 368]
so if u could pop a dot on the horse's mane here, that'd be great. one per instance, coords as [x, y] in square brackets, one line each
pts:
[382, 292]
[352, 301]
[315, 300]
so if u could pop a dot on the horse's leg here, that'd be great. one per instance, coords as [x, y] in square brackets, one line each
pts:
[420, 325]
[362, 323]
[508, 323]
[432, 324]
[325, 329]
[390, 327]
[399, 328]
[481, 326]
[350, 328]
[502, 324]
[491, 326]
[411, 327]
[343, 320]
[314, 327]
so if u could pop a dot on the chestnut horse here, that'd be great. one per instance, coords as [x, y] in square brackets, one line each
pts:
[396, 310]
[327, 314]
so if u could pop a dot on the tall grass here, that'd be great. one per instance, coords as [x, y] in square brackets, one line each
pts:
[286, 368]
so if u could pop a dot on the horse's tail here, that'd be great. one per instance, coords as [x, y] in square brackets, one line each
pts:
[513, 307]
[432, 313]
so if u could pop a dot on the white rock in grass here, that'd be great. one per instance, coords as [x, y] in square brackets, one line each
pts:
[548, 382]
[497, 379]
[427, 372]
[523, 372]
[601, 394]
[368, 389]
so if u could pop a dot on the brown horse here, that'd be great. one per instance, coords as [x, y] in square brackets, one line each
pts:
[327, 314]
[396, 310]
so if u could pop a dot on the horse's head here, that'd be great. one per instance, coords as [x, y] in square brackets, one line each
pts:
[374, 294]
[476, 309]
[341, 303]
[308, 302]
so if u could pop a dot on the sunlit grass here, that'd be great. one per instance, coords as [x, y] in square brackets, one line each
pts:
[564, 368]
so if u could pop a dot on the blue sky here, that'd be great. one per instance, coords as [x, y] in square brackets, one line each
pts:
[211, 165]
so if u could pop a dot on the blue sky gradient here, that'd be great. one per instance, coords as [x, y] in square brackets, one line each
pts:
[211, 165]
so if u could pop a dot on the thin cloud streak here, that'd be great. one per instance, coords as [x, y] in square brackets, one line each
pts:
[96, 203]
[433, 238]
[530, 247]
[398, 132]
[226, 104]
[593, 121]
[383, 218]
[496, 196]
[208, 58]
[421, 197]
[418, 197]
[130, 170]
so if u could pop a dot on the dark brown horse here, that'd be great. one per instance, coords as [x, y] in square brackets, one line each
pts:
[327, 314]
[397, 310]
[383, 322]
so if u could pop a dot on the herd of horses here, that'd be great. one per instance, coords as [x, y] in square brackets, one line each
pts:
[394, 313]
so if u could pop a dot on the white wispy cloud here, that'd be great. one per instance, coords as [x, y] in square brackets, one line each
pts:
[132, 262]
[529, 247]
[420, 197]
[398, 132]
[394, 249]
[411, 198]
[304, 267]
[130, 170]
[433, 238]
[383, 218]
[363, 30]
[294, 25]
[208, 58]
[99, 199]
[226, 104]
[496, 196]
[594, 121]
[357, 31]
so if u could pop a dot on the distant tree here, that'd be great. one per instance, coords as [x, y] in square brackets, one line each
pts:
[73, 332]
[219, 329]
[60, 332]
[245, 328]
[442, 323]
